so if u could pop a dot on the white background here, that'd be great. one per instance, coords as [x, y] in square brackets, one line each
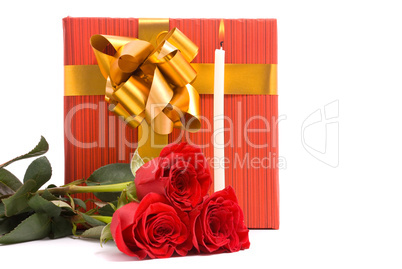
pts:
[346, 52]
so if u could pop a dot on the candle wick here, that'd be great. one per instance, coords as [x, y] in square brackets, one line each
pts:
[221, 44]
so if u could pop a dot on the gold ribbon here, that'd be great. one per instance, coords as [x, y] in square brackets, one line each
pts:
[239, 79]
[150, 84]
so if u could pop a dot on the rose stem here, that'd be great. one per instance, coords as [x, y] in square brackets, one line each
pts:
[87, 189]
[105, 219]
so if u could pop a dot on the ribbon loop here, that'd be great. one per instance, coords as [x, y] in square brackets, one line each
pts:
[177, 70]
[182, 43]
[144, 83]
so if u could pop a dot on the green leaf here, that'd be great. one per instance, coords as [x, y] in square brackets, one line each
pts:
[94, 232]
[41, 205]
[61, 204]
[106, 234]
[2, 210]
[18, 203]
[40, 171]
[110, 174]
[48, 196]
[108, 209]
[40, 149]
[9, 180]
[91, 221]
[136, 162]
[5, 191]
[80, 203]
[61, 227]
[37, 226]
[9, 223]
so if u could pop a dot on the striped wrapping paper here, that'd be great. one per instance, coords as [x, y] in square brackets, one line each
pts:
[95, 137]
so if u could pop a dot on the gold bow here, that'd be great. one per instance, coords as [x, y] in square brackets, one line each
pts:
[151, 84]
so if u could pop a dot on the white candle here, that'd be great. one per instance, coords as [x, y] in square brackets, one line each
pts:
[219, 135]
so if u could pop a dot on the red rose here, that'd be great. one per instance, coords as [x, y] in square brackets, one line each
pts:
[152, 227]
[219, 224]
[145, 180]
[181, 173]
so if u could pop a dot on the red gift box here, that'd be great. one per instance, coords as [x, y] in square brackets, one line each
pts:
[95, 137]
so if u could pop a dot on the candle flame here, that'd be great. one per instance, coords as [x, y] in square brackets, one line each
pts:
[221, 32]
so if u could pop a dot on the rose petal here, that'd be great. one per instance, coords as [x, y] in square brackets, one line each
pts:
[183, 188]
[220, 225]
[121, 222]
[146, 181]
